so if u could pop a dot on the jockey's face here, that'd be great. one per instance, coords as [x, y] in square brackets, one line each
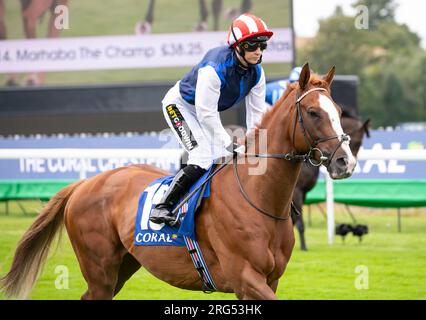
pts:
[251, 56]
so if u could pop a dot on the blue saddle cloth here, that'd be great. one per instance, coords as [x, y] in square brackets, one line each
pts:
[148, 233]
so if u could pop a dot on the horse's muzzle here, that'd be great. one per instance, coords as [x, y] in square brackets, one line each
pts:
[341, 167]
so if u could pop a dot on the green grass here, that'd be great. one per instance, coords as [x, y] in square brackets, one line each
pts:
[118, 17]
[396, 262]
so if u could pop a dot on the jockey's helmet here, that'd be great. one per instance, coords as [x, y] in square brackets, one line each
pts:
[248, 27]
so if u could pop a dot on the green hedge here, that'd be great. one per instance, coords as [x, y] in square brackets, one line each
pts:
[369, 193]
[373, 193]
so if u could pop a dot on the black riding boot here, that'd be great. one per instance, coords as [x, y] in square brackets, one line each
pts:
[180, 185]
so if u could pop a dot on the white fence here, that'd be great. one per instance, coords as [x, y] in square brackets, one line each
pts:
[403, 155]
[175, 154]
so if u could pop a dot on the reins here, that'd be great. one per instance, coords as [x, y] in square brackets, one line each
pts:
[307, 157]
[223, 165]
[270, 215]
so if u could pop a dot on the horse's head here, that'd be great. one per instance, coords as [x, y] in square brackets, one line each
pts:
[356, 129]
[317, 130]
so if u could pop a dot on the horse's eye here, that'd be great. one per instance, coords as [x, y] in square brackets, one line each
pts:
[313, 114]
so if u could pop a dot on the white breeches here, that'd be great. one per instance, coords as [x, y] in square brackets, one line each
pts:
[182, 120]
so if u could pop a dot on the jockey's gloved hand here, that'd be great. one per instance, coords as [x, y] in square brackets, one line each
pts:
[236, 148]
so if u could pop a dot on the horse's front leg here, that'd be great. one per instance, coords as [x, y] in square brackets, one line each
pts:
[253, 285]
[2, 21]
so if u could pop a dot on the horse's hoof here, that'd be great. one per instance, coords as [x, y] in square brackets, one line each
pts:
[33, 80]
[11, 83]
[143, 28]
[202, 26]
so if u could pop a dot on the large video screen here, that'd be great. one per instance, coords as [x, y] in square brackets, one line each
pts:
[98, 41]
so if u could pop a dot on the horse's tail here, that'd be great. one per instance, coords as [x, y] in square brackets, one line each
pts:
[34, 246]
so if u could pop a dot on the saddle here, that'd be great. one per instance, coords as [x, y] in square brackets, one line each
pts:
[149, 233]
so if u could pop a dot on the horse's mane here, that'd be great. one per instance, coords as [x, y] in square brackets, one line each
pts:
[349, 113]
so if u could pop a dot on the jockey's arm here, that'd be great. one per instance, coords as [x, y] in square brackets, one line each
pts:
[206, 105]
[255, 103]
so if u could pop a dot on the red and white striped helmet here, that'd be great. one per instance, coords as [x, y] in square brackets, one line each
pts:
[248, 26]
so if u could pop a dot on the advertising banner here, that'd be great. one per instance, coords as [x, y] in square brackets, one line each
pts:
[70, 168]
[124, 52]
[391, 169]
[38, 168]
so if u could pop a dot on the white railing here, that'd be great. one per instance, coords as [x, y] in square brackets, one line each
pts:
[385, 154]
[67, 153]
[388, 154]
[175, 154]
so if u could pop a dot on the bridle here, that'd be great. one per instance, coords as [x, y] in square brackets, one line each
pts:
[294, 157]
[306, 133]
[309, 156]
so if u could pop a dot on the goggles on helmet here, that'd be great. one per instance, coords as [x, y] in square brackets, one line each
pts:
[252, 46]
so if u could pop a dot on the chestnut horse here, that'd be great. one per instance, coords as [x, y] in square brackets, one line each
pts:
[245, 249]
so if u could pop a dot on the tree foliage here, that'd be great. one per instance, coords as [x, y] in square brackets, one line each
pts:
[387, 58]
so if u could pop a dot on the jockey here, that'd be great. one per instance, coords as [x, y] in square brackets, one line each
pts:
[275, 89]
[224, 76]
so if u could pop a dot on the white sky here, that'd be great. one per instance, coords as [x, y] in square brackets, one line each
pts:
[308, 12]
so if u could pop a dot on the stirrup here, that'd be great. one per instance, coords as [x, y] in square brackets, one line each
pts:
[163, 214]
[181, 183]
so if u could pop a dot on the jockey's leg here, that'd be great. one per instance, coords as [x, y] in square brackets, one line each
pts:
[183, 122]
[181, 183]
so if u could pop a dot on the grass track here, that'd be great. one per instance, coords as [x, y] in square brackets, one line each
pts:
[396, 262]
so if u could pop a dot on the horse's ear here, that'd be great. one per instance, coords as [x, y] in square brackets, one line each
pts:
[366, 127]
[330, 75]
[305, 75]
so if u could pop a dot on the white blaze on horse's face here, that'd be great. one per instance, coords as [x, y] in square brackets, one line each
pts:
[328, 106]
